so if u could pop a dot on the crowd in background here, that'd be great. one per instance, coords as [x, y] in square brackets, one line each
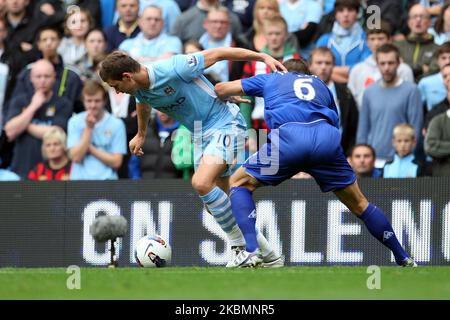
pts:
[390, 78]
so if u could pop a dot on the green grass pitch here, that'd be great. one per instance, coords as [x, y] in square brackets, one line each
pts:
[180, 283]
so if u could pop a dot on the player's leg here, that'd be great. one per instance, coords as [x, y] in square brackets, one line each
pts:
[217, 201]
[270, 258]
[375, 221]
[243, 205]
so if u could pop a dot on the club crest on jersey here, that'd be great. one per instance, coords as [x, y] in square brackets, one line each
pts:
[192, 61]
[169, 90]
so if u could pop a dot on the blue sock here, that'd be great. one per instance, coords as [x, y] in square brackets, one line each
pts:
[377, 224]
[244, 211]
[219, 205]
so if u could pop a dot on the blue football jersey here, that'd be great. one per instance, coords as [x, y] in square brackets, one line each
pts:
[179, 89]
[292, 97]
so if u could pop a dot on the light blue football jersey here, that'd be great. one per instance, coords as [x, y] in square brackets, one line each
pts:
[179, 89]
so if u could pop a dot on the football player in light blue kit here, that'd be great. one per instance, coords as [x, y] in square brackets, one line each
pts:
[304, 123]
[177, 87]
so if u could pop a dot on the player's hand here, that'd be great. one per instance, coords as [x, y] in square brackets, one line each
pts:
[273, 63]
[238, 99]
[136, 145]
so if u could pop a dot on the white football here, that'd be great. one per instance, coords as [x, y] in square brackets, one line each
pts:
[153, 251]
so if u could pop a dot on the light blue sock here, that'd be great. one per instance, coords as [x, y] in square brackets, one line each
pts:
[219, 205]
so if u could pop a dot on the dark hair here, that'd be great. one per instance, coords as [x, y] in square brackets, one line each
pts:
[192, 42]
[97, 30]
[439, 25]
[387, 48]
[115, 64]
[297, 65]
[92, 87]
[443, 48]
[385, 27]
[48, 28]
[349, 4]
[352, 150]
[321, 50]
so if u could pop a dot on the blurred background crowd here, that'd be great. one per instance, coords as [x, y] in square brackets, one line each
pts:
[387, 63]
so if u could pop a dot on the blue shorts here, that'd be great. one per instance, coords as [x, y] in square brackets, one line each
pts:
[314, 148]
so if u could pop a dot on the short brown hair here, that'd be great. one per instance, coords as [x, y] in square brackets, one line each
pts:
[297, 65]
[387, 48]
[443, 48]
[321, 50]
[356, 146]
[115, 64]
[349, 4]
[92, 87]
[276, 19]
[385, 27]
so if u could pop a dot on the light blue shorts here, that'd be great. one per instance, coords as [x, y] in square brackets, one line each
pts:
[226, 143]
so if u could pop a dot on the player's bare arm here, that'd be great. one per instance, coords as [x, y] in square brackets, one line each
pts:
[143, 115]
[231, 88]
[240, 54]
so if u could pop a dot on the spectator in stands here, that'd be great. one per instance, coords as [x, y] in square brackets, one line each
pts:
[170, 11]
[437, 144]
[362, 159]
[243, 9]
[391, 11]
[95, 44]
[432, 88]
[275, 32]
[189, 25]
[263, 10]
[96, 138]
[434, 7]
[444, 105]
[6, 174]
[77, 25]
[366, 73]
[218, 34]
[302, 17]
[22, 28]
[192, 46]
[404, 164]
[386, 103]
[347, 40]
[31, 116]
[152, 43]
[56, 164]
[441, 30]
[67, 84]
[418, 47]
[156, 161]
[126, 27]
[321, 64]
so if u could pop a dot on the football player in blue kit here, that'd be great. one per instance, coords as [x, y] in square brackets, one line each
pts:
[302, 116]
[177, 87]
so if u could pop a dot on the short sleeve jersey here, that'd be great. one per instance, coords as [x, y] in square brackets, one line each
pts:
[179, 89]
[292, 97]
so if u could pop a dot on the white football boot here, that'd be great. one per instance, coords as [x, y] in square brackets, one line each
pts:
[246, 259]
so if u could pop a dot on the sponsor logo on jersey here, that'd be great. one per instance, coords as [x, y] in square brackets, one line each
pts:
[192, 61]
[169, 90]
